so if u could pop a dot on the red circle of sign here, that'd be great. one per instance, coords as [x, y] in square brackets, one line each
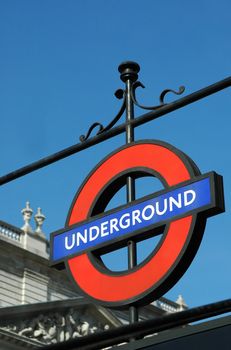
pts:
[130, 286]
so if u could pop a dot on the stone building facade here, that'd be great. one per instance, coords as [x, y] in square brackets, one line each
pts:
[25, 275]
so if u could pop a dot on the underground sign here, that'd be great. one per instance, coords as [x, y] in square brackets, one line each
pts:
[178, 212]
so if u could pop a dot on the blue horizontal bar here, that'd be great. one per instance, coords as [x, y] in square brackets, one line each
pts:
[151, 212]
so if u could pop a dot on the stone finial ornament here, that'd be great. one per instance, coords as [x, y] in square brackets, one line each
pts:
[39, 219]
[27, 214]
[180, 301]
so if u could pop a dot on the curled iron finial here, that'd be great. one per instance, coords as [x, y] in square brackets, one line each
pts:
[92, 127]
[134, 87]
[166, 91]
[161, 98]
[120, 94]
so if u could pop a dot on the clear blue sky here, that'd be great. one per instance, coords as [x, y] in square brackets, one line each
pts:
[58, 74]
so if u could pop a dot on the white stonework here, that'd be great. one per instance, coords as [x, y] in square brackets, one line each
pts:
[53, 322]
[25, 275]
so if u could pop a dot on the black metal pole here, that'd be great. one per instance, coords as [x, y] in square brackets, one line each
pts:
[129, 74]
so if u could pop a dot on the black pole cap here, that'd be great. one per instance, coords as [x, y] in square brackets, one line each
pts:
[129, 70]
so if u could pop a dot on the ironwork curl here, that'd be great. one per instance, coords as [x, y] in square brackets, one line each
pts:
[166, 91]
[161, 98]
[83, 138]
[120, 94]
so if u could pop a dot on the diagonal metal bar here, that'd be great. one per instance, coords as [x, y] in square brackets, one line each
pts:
[140, 329]
[170, 107]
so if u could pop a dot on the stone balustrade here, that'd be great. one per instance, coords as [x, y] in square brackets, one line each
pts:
[10, 232]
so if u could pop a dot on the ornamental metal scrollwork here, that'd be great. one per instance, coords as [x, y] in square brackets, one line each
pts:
[161, 98]
[122, 94]
[166, 91]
